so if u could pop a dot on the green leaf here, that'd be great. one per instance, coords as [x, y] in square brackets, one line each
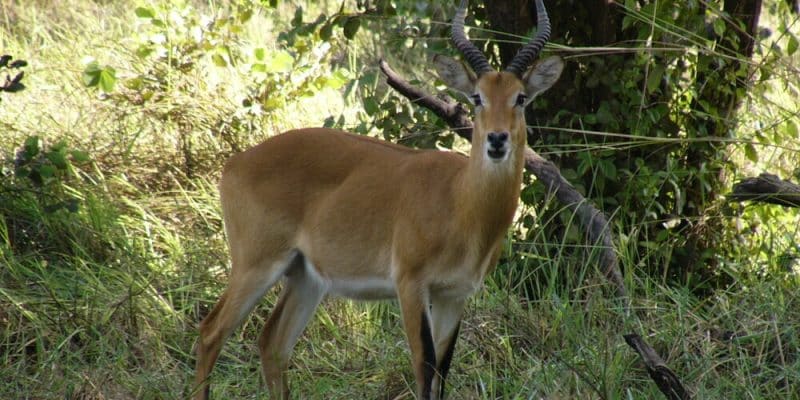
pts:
[245, 15]
[371, 106]
[219, 60]
[258, 67]
[274, 103]
[608, 168]
[750, 152]
[32, 147]
[604, 115]
[298, 17]
[791, 47]
[627, 21]
[792, 130]
[144, 50]
[79, 156]
[719, 27]
[58, 158]
[351, 27]
[280, 62]
[22, 172]
[259, 53]
[340, 20]
[103, 77]
[326, 32]
[90, 74]
[59, 146]
[46, 171]
[108, 77]
[145, 12]
[135, 83]
[654, 77]
[336, 80]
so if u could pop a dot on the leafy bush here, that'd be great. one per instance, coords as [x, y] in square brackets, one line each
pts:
[112, 247]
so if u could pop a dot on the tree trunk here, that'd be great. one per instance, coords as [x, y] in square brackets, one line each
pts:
[748, 12]
[794, 5]
[720, 90]
[515, 17]
[597, 83]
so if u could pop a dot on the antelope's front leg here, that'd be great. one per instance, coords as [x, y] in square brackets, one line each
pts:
[416, 321]
[446, 315]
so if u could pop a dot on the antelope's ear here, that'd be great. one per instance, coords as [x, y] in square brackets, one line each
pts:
[455, 75]
[542, 76]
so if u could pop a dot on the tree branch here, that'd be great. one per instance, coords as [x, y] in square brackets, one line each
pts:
[452, 112]
[667, 381]
[767, 188]
[457, 117]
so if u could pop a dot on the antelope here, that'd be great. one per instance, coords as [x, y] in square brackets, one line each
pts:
[333, 213]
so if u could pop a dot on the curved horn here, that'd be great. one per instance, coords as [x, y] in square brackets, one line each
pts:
[474, 57]
[527, 54]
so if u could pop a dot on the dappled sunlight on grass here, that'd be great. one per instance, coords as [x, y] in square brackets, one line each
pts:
[104, 300]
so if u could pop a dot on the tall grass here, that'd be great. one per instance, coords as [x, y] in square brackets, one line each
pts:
[104, 302]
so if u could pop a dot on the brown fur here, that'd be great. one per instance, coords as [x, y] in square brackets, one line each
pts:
[324, 208]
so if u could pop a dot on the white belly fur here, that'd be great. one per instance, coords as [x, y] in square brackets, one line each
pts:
[375, 287]
[359, 288]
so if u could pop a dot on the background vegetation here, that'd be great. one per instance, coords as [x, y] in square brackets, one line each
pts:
[111, 242]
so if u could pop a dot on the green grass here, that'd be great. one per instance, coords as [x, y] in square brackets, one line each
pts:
[105, 302]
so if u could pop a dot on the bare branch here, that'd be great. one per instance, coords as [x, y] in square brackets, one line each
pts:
[452, 112]
[667, 381]
[767, 188]
[599, 231]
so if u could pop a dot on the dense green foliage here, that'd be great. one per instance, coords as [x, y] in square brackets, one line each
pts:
[111, 241]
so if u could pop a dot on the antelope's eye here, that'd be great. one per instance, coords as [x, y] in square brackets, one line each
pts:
[521, 99]
[476, 99]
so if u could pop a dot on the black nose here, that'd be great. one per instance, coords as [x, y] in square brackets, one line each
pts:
[497, 139]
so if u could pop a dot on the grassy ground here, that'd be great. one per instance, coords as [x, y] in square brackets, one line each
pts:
[104, 303]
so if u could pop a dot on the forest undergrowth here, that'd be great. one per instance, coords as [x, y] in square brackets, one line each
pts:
[112, 247]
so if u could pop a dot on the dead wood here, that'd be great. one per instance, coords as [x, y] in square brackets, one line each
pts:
[665, 379]
[767, 188]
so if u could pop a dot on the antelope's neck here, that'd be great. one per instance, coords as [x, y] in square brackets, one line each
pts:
[488, 194]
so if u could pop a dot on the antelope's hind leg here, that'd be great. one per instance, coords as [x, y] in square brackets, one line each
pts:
[301, 295]
[246, 287]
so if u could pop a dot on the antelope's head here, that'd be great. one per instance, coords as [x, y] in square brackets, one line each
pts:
[499, 97]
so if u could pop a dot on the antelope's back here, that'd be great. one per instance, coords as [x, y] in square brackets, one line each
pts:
[322, 184]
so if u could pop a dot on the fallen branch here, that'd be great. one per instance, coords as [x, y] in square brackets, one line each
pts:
[665, 379]
[767, 188]
[457, 117]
